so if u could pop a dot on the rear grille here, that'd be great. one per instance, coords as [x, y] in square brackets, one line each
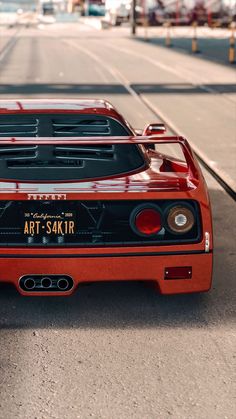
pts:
[9, 128]
[96, 223]
[81, 128]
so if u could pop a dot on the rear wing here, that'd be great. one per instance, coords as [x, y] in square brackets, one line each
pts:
[139, 139]
[103, 141]
[93, 141]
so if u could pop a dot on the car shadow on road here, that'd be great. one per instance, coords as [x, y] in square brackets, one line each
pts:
[136, 304]
[119, 304]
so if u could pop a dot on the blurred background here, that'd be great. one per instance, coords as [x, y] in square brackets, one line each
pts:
[214, 13]
[206, 26]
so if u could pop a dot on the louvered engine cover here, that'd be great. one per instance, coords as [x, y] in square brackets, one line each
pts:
[62, 162]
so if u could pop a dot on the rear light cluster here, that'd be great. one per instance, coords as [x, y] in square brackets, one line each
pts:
[149, 219]
[104, 223]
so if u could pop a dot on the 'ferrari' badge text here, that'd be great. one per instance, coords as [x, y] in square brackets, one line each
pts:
[55, 197]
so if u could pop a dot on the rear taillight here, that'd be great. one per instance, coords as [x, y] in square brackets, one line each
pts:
[180, 219]
[146, 221]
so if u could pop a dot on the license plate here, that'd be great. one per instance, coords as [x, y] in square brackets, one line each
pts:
[49, 224]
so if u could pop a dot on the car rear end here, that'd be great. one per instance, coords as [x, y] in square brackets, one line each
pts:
[105, 208]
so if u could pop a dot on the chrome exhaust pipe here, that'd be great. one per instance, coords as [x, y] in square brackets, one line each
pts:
[62, 284]
[46, 282]
[29, 284]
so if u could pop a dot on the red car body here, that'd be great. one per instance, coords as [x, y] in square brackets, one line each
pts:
[113, 221]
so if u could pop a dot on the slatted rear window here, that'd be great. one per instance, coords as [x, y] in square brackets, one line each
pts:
[28, 127]
[64, 127]
[65, 162]
[69, 125]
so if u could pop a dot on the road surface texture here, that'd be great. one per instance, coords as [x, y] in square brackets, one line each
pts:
[121, 350]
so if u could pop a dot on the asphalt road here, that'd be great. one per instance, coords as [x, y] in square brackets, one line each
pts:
[121, 350]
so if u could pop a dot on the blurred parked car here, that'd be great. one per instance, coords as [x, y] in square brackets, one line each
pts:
[48, 8]
[94, 8]
[117, 11]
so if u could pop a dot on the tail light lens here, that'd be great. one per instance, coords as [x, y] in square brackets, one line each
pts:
[180, 219]
[146, 221]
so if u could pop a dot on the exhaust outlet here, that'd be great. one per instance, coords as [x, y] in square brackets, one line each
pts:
[46, 282]
[29, 284]
[62, 284]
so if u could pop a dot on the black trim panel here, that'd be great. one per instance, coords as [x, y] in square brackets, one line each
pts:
[96, 223]
[187, 252]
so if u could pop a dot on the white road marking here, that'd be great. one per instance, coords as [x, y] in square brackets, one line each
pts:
[8, 46]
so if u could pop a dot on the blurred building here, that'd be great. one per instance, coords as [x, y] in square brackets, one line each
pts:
[87, 7]
[185, 12]
[54, 5]
[73, 5]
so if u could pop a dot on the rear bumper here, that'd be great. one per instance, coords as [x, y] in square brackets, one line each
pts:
[87, 268]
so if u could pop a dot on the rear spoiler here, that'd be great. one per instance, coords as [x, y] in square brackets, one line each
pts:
[139, 139]
[145, 140]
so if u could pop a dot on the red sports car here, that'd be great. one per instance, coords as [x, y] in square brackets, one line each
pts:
[85, 198]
